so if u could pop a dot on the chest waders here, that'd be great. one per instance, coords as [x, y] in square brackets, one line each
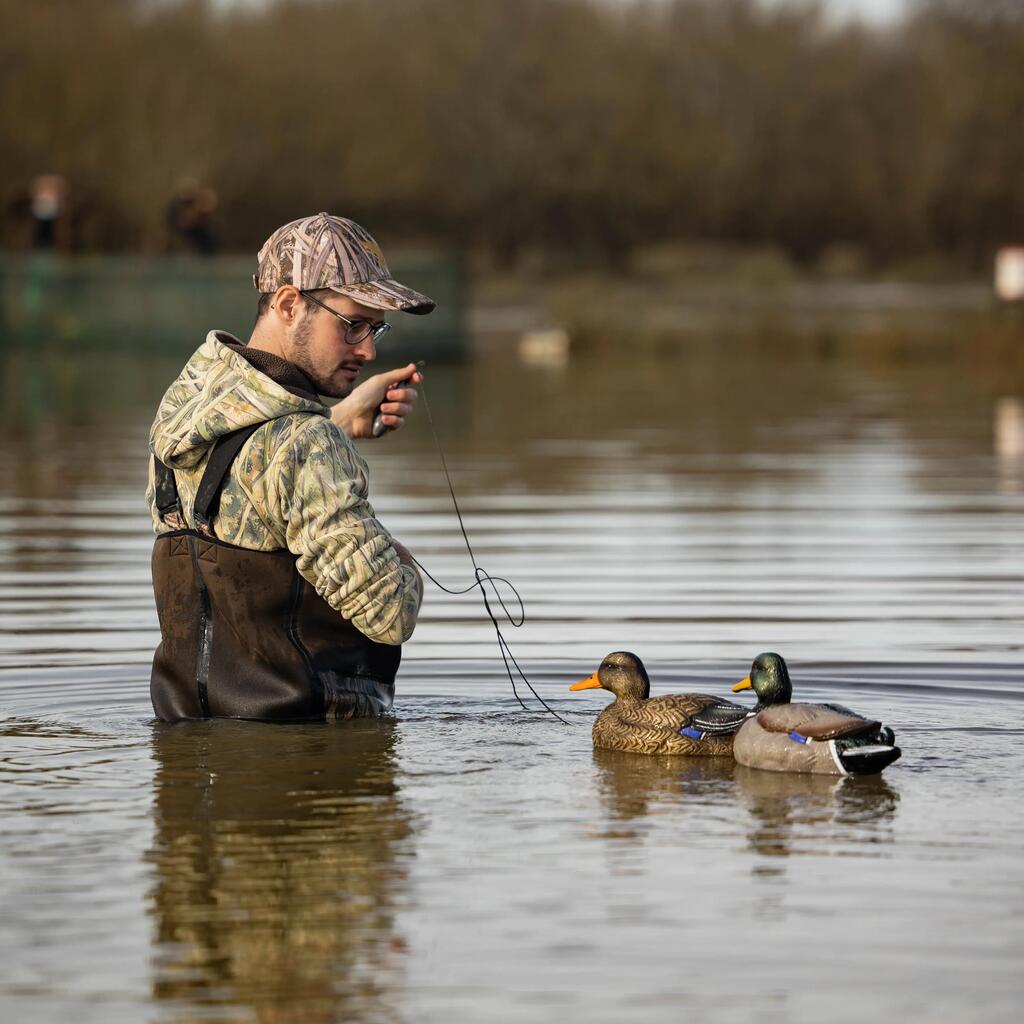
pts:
[244, 635]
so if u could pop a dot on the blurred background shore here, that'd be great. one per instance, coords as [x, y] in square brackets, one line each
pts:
[587, 165]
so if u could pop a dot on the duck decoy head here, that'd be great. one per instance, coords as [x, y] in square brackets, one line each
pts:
[769, 679]
[620, 673]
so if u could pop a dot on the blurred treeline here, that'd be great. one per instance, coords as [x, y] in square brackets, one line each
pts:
[586, 127]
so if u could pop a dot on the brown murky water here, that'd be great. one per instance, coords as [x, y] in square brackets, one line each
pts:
[468, 860]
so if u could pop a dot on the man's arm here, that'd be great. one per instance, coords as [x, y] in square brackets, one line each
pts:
[340, 547]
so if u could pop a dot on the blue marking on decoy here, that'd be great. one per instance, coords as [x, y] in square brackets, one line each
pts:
[797, 738]
[694, 734]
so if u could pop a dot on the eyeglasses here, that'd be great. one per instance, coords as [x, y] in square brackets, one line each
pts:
[357, 330]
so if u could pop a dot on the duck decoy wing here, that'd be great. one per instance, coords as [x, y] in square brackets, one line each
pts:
[671, 712]
[814, 721]
[840, 709]
[720, 718]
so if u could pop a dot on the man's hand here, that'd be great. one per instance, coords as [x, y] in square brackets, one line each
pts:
[405, 557]
[355, 414]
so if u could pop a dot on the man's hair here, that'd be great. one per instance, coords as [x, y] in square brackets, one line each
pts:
[263, 306]
[265, 299]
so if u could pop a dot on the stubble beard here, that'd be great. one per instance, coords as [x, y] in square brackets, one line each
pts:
[304, 361]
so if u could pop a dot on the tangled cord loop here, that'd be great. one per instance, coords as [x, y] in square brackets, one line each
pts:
[481, 579]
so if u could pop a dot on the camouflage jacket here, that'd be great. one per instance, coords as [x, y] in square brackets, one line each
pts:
[298, 483]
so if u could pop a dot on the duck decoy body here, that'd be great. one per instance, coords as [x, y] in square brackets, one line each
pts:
[693, 724]
[826, 739]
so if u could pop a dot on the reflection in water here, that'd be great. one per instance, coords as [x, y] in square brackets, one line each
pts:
[1009, 427]
[789, 813]
[1008, 442]
[633, 786]
[279, 860]
[793, 812]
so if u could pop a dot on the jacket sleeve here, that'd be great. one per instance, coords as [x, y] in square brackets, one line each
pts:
[340, 547]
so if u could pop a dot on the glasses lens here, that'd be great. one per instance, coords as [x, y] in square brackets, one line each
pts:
[359, 331]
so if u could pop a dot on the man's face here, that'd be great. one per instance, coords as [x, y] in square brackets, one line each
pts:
[316, 344]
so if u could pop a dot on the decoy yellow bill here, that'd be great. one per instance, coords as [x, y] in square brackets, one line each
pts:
[590, 683]
[744, 684]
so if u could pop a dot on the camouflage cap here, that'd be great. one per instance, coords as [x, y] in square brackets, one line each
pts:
[333, 252]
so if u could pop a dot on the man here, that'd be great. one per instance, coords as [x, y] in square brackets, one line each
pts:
[280, 595]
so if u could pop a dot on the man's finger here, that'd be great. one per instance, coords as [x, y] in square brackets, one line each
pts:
[405, 373]
[395, 409]
[407, 395]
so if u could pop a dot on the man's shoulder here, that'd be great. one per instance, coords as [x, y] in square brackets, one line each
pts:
[313, 442]
[307, 431]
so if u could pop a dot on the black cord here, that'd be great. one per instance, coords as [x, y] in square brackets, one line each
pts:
[482, 578]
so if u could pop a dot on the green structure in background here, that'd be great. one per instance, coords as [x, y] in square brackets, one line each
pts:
[167, 303]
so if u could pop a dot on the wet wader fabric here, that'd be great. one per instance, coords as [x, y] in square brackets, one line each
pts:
[244, 635]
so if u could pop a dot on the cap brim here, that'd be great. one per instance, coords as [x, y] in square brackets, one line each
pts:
[386, 294]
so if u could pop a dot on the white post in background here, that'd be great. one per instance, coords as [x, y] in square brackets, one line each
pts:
[1010, 273]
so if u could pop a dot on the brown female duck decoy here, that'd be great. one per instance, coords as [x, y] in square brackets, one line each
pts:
[826, 739]
[686, 723]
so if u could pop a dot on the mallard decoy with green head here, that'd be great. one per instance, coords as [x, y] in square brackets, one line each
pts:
[827, 739]
[694, 724]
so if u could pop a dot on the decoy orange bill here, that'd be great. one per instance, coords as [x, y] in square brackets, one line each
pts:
[744, 684]
[590, 683]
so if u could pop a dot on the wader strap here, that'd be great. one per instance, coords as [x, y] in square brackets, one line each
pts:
[207, 502]
[166, 489]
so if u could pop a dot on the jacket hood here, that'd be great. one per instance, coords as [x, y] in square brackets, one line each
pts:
[216, 393]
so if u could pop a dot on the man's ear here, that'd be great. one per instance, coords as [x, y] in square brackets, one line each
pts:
[286, 305]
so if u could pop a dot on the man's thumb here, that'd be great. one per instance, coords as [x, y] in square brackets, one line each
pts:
[397, 376]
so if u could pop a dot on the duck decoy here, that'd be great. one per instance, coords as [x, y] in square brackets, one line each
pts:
[694, 724]
[826, 739]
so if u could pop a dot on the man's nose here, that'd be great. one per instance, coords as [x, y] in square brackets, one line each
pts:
[366, 349]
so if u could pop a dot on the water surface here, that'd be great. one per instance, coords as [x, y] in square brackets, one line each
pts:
[472, 860]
